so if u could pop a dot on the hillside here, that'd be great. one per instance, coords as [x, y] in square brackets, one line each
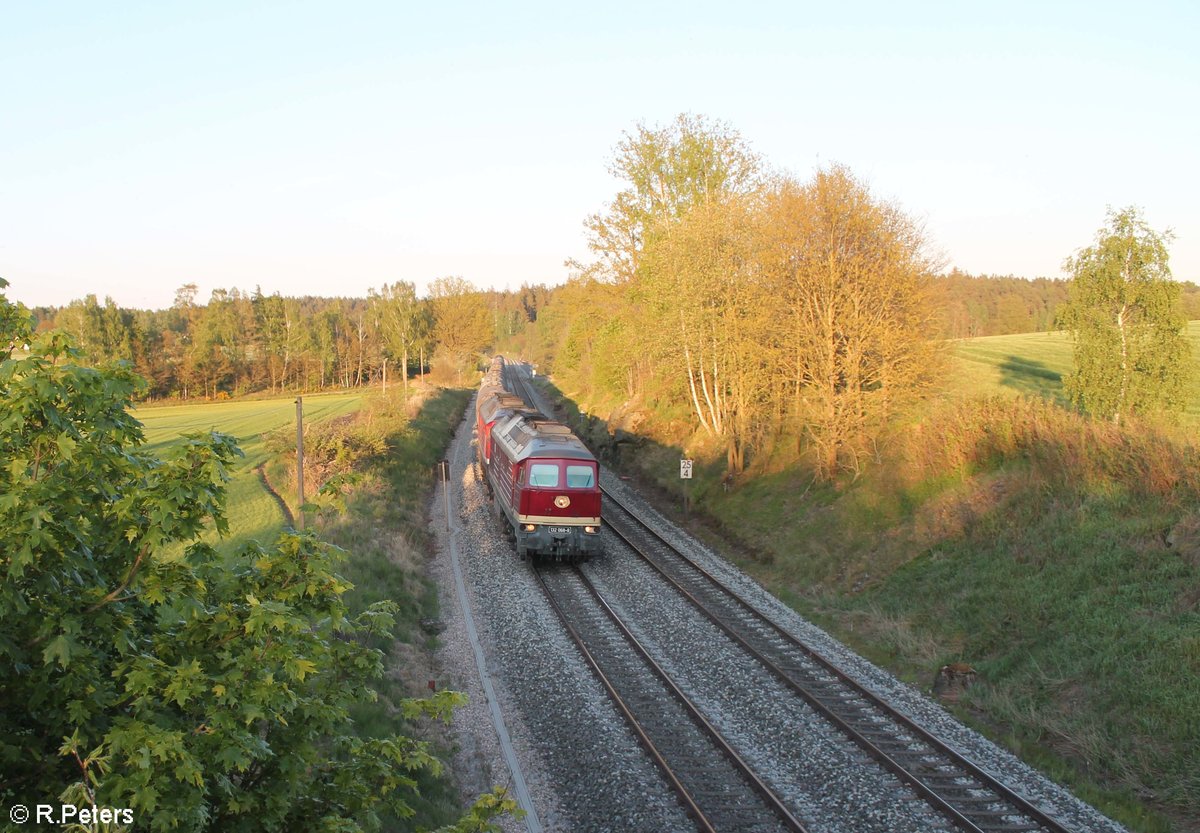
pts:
[1058, 557]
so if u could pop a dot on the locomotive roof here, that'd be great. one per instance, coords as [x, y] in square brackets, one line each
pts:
[535, 436]
[494, 404]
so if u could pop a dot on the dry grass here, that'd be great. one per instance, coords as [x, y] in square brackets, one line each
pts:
[1061, 446]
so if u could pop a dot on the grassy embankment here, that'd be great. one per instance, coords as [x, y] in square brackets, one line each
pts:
[1059, 557]
[388, 446]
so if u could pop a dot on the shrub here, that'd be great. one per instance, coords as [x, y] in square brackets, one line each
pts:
[202, 693]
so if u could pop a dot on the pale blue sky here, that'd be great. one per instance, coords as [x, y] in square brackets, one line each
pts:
[321, 148]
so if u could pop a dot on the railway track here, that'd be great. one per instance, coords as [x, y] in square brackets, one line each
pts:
[718, 789]
[968, 795]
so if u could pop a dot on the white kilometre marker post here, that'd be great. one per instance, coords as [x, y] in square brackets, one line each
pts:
[685, 474]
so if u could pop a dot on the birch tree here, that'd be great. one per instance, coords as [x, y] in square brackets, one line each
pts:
[715, 332]
[462, 325]
[1126, 321]
[271, 317]
[667, 171]
[398, 312]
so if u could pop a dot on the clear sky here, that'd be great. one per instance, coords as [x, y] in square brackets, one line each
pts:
[322, 148]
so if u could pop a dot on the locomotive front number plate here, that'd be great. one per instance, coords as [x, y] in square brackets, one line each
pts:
[560, 529]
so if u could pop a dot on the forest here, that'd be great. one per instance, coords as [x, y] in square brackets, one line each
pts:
[769, 309]
[789, 333]
[241, 342]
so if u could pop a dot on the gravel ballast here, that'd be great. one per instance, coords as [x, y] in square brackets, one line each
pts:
[1051, 797]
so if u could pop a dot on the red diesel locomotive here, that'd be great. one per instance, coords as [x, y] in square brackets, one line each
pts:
[543, 480]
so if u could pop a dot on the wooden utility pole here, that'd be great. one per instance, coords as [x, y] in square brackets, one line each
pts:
[300, 461]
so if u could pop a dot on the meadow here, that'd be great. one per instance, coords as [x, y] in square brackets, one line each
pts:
[391, 445]
[1033, 364]
[253, 512]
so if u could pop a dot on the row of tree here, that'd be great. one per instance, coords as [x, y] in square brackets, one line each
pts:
[764, 305]
[990, 305]
[241, 342]
[768, 307]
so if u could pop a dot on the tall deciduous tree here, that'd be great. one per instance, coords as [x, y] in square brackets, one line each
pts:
[398, 313]
[668, 170]
[701, 281]
[270, 318]
[462, 325]
[1124, 316]
[852, 285]
[669, 173]
[103, 333]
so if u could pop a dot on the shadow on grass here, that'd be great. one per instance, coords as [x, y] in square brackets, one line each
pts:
[1041, 560]
[1032, 378]
[384, 532]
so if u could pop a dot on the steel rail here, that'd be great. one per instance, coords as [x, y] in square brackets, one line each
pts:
[693, 811]
[1018, 802]
[770, 799]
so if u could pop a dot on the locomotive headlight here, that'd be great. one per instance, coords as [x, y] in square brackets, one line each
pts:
[591, 530]
[530, 527]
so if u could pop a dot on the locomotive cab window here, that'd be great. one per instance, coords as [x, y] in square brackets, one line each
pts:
[543, 475]
[580, 477]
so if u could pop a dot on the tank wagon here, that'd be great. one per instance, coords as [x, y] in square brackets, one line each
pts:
[544, 483]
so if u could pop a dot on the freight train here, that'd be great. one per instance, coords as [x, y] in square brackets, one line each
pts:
[545, 484]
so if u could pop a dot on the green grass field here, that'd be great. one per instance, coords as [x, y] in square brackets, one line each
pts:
[252, 512]
[1034, 364]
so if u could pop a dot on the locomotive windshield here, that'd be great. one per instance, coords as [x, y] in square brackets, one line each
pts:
[544, 475]
[580, 477]
[550, 475]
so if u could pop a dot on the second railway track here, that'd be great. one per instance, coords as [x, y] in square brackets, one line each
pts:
[968, 795]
